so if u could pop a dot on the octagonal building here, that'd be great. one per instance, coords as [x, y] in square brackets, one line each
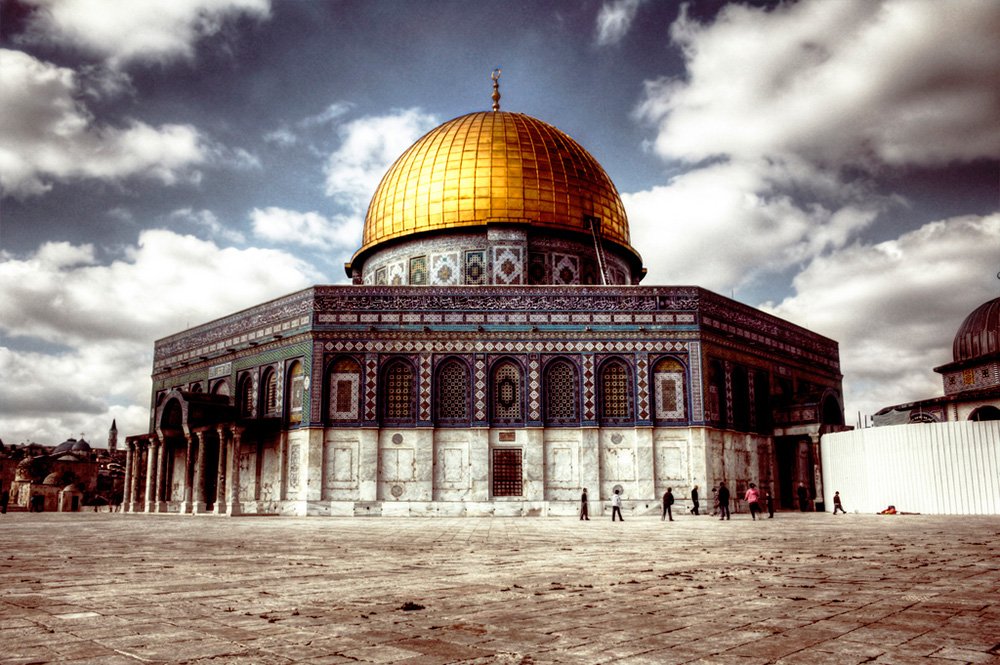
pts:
[494, 355]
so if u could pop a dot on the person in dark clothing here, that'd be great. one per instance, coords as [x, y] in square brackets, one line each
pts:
[668, 501]
[769, 499]
[694, 500]
[837, 505]
[803, 498]
[723, 502]
[584, 508]
[4, 500]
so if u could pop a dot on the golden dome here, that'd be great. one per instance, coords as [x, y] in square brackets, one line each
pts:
[494, 167]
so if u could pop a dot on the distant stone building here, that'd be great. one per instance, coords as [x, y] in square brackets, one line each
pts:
[495, 355]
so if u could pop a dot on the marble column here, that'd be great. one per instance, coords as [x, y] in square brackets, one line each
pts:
[127, 481]
[151, 447]
[134, 480]
[219, 501]
[188, 472]
[198, 505]
[161, 463]
[233, 480]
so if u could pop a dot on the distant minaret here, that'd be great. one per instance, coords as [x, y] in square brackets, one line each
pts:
[113, 437]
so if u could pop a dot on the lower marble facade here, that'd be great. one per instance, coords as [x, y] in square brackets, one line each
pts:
[448, 472]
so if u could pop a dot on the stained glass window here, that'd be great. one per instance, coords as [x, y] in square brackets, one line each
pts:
[561, 393]
[452, 392]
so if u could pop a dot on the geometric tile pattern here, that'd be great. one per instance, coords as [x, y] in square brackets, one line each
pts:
[534, 388]
[697, 407]
[397, 274]
[371, 386]
[508, 266]
[444, 269]
[480, 387]
[642, 385]
[475, 268]
[424, 387]
[670, 395]
[418, 270]
[589, 392]
[536, 268]
[565, 269]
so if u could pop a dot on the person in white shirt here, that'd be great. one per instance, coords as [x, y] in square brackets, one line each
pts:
[616, 506]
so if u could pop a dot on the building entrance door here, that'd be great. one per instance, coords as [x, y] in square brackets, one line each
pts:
[507, 472]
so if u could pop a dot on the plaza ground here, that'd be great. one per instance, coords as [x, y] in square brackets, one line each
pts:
[801, 588]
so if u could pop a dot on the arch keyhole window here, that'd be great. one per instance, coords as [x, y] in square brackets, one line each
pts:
[507, 393]
[296, 392]
[246, 397]
[270, 394]
[344, 389]
[669, 390]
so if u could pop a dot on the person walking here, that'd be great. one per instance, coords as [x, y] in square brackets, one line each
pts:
[803, 494]
[694, 500]
[584, 508]
[616, 506]
[837, 505]
[723, 502]
[752, 497]
[668, 502]
[769, 499]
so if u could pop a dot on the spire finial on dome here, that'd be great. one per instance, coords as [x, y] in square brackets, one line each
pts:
[496, 89]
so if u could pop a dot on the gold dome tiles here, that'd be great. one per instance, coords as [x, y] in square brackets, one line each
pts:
[494, 166]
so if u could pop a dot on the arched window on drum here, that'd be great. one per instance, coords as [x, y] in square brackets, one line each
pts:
[669, 391]
[344, 391]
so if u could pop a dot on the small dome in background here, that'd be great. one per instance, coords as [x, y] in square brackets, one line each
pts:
[979, 334]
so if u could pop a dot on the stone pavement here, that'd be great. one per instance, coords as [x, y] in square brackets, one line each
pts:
[801, 588]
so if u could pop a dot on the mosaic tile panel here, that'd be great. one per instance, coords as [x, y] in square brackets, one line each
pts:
[418, 270]
[424, 410]
[396, 274]
[382, 276]
[445, 269]
[475, 267]
[565, 269]
[508, 266]
[536, 268]
[589, 385]
[669, 395]
[480, 387]
[642, 385]
[534, 388]
[371, 387]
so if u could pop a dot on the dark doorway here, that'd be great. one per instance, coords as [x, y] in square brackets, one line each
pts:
[211, 472]
[786, 451]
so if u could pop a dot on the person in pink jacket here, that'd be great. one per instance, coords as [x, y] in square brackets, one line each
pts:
[752, 497]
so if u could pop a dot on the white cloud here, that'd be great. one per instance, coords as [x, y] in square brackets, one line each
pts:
[730, 223]
[851, 82]
[368, 147]
[103, 319]
[895, 306]
[126, 31]
[614, 20]
[209, 222]
[308, 229]
[47, 135]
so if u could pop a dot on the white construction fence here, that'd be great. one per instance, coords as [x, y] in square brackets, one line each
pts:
[937, 468]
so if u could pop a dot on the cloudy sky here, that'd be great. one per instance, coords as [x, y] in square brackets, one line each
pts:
[166, 162]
